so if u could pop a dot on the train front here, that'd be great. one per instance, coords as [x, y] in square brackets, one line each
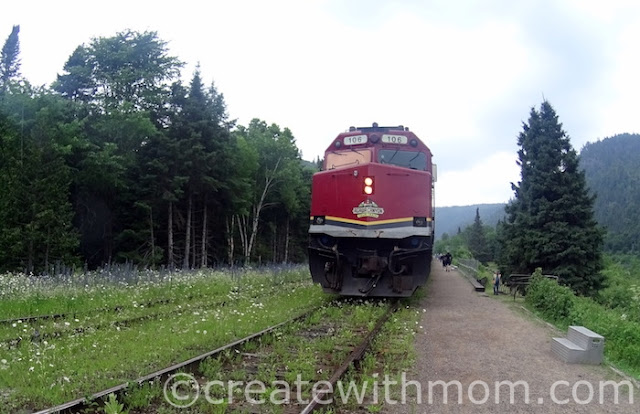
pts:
[372, 214]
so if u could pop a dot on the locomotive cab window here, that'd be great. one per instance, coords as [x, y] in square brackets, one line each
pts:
[406, 159]
[337, 159]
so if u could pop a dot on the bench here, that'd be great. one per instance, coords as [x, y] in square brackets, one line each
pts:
[519, 282]
[581, 346]
[470, 273]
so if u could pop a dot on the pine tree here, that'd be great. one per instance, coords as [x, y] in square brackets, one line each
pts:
[10, 60]
[477, 240]
[550, 222]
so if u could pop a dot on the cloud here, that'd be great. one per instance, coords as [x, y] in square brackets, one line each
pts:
[462, 76]
[486, 181]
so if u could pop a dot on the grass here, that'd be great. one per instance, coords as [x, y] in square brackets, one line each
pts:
[309, 350]
[559, 306]
[49, 372]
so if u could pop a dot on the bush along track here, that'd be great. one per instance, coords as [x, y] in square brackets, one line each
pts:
[42, 373]
[560, 306]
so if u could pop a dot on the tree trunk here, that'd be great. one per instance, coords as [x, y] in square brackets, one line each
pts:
[244, 237]
[153, 243]
[187, 237]
[46, 250]
[286, 243]
[194, 245]
[30, 256]
[170, 262]
[257, 209]
[230, 238]
[203, 262]
[274, 249]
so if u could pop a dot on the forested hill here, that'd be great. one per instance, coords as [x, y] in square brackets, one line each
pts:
[612, 173]
[449, 219]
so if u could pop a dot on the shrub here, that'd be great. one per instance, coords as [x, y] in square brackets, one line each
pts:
[555, 302]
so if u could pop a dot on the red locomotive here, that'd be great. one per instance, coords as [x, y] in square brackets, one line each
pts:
[372, 213]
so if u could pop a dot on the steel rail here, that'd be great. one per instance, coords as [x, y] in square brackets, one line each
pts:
[354, 356]
[81, 403]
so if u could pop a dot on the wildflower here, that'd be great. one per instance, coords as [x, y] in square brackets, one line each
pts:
[31, 369]
[67, 324]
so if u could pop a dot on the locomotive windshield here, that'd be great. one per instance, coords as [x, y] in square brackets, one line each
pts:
[337, 159]
[406, 159]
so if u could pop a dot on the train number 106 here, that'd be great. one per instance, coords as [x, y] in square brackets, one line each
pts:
[355, 139]
[394, 139]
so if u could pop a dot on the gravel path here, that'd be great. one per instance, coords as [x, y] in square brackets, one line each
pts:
[475, 339]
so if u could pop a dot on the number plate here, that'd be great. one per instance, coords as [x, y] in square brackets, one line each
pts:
[394, 139]
[355, 139]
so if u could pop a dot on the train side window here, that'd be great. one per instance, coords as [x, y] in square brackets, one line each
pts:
[407, 159]
[337, 159]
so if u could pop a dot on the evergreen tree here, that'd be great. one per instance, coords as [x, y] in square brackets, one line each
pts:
[10, 60]
[35, 211]
[477, 240]
[550, 222]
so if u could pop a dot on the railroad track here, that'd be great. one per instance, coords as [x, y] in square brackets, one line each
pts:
[254, 354]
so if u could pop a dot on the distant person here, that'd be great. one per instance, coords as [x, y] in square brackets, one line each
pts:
[496, 282]
[447, 261]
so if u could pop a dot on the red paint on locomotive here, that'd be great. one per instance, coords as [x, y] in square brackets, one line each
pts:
[371, 228]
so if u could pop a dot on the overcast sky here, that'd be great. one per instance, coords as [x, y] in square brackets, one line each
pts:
[463, 75]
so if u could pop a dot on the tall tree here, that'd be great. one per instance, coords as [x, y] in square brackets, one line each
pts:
[35, 210]
[122, 86]
[477, 240]
[550, 221]
[277, 180]
[130, 71]
[200, 131]
[10, 60]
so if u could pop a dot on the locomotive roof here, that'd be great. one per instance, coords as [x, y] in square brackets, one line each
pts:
[376, 131]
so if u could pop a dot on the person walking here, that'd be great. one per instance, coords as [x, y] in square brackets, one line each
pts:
[496, 282]
[447, 261]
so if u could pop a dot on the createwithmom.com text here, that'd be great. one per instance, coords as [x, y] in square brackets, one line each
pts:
[183, 390]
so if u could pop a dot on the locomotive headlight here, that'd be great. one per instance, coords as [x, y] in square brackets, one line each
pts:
[368, 185]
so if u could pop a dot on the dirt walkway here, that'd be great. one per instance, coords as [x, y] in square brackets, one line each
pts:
[476, 340]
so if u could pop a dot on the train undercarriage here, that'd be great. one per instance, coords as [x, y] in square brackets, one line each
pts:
[370, 267]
